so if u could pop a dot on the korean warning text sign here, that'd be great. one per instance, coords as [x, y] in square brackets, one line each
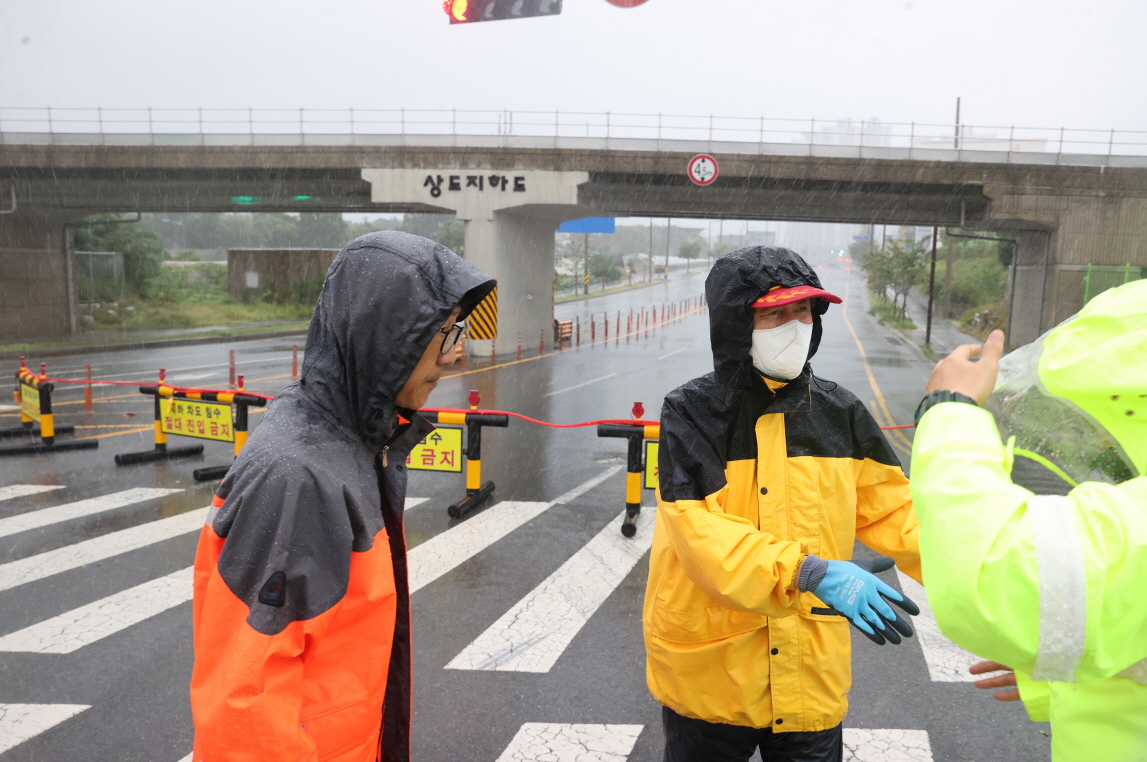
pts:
[30, 401]
[650, 481]
[192, 418]
[440, 451]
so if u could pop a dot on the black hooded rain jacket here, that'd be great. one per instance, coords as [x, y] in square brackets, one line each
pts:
[754, 476]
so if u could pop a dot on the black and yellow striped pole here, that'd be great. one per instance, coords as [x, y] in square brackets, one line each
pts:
[36, 407]
[476, 492]
[636, 434]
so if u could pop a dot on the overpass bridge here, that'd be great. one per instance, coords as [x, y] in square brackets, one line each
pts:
[515, 180]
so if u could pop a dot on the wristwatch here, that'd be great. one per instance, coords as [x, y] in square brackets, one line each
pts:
[935, 398]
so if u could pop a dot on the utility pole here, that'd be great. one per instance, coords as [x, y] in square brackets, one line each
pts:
[650, 267]
[956, 133]
[931, 290]
[949, 255]
[585, 280]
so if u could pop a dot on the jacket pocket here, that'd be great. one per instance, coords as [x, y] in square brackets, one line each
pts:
[683, 613]
[345, 728]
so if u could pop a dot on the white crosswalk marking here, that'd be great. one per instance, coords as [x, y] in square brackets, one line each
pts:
[443, 552]
[557, 742]
[411, 502]
[45, 516]
[80, 627]
[16, 573]
[532, 635]
[19, 722]
[188, 757]
[947, 662]
[887, 745]
[20, 490]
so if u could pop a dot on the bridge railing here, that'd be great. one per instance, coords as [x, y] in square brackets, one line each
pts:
[622, 131]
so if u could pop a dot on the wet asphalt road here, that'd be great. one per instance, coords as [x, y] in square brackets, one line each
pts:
[134, 680]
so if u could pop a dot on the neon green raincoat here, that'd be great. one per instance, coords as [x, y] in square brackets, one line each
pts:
[1050, 578]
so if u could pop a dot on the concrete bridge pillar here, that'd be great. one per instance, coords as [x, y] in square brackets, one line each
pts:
[510, 216]
[1057, 237]
[37, 284]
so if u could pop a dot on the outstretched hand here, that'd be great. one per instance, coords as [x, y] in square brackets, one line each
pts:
[962, 372]
[1007, 680]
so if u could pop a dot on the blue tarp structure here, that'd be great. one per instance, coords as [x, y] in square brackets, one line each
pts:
[588, 225]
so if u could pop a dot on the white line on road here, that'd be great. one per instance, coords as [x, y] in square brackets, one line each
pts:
[557, 742]
[578, 386]
[862, 745]
[947, 662]
[45, 516]
[32, 568]
[586, 486]
[19, 722]
[674, 352]
[75, 629]
[188, 757]
[20, 490]
[532, 635]
[411, 502]
[443, 552]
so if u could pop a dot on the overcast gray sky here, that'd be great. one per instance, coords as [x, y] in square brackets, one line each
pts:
[1024, 62]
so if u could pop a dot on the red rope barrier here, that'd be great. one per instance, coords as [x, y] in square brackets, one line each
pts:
[626, 421]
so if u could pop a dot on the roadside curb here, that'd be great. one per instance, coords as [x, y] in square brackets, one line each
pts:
[136, 345]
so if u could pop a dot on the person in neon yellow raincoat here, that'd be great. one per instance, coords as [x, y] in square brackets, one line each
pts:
[1033, 520]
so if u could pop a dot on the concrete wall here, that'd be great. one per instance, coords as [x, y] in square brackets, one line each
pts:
[251, 271]
[34, 278]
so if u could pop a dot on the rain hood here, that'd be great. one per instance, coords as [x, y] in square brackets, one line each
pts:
[385, 296]
[735, 282]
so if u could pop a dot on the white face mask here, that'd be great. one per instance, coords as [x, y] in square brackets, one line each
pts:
[781, 352]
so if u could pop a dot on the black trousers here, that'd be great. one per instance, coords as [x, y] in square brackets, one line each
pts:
[689, 740]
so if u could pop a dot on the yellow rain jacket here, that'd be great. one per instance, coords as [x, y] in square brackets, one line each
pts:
[754, 476]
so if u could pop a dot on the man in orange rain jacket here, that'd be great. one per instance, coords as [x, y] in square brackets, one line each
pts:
[301, 611]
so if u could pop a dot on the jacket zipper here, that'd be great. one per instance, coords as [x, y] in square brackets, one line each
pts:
[384, 449]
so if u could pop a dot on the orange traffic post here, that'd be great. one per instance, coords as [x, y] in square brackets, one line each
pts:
[231, 381]
[294, 362]
[542, 342]
[88, 388]
[493, 351]
[519, 345]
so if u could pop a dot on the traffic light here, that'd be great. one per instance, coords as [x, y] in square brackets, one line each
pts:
[469, 11]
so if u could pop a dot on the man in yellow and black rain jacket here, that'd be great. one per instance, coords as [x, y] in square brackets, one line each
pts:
[766, 481]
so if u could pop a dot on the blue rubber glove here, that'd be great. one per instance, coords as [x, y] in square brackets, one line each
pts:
[863, 598]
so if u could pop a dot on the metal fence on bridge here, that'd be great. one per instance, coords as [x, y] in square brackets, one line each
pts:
[572, 129]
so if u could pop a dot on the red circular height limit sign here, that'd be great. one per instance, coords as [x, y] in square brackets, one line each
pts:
[703, 169]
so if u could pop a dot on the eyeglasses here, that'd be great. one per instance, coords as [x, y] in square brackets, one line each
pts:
[451, 337]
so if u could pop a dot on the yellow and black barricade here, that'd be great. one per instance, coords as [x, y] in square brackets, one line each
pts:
[35, 395]
[483, 320]
[217, 416]
[639, 461]
[476, 492]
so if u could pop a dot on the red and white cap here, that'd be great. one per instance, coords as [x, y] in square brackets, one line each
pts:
[779, 295]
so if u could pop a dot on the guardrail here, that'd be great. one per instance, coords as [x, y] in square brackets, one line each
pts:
[571, 129]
